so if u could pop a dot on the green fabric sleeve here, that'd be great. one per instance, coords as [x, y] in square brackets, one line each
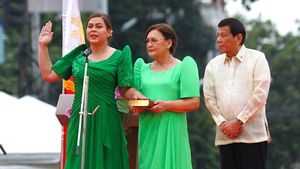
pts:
[63, 67]
[137, 73]
[189, 79]
[125, 78]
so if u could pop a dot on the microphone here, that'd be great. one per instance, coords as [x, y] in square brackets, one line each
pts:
[87, 52]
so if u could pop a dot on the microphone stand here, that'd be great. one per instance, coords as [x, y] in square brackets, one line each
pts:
[83, 111]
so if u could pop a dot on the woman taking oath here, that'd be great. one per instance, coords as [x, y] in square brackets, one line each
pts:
[174, 86]
[107, 68]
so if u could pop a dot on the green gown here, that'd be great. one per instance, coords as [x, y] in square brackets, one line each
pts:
[163, 137]
[105, 140]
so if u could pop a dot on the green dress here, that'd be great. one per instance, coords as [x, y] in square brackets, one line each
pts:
[105, 140]
[163, 137]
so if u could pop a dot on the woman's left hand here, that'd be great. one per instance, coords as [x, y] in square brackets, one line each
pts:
[159, 106]
[138, 96]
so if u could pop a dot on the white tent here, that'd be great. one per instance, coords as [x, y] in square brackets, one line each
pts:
[29, 129]
[28, 125]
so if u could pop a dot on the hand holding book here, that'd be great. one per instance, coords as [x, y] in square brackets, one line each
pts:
[141, 103]
[137, 106]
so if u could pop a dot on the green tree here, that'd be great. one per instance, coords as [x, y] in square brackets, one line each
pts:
[195, 39]
[283, 107]
[9, 77]
[284, 100]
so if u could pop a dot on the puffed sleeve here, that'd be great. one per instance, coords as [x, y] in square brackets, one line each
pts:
[137, 73]
[189, 79]
[125, 78]
[63, 67]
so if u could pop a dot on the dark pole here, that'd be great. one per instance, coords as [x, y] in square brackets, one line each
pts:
[2, 149]
[23, 55]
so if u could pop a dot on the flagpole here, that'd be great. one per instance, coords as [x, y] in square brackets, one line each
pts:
[71, 22]
[64, 11]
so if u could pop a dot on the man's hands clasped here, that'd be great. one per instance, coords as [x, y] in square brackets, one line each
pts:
[231, 129]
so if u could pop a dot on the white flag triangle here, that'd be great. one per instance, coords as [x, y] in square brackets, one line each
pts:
[73, 33]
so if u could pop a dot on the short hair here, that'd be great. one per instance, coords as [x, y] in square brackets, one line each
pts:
[168, 33]
[235, 27]
[105, 18]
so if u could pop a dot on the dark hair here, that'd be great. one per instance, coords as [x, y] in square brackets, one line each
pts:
[167, 32]
[235, 27]
[105, 18]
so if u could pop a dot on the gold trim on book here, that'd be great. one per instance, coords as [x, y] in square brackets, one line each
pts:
[141, 103]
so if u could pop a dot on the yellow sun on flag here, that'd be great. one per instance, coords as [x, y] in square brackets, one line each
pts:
[78, 33]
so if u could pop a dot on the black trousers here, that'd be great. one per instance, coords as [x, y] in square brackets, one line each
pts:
[243, 155]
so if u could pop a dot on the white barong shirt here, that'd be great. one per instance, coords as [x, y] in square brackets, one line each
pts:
[238, 88]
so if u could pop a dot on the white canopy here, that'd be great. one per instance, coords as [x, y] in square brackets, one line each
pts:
[28, 125]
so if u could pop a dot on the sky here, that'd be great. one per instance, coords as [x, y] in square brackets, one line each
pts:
[282, 13]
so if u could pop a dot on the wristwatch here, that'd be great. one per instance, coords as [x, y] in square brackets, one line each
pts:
[239, 121]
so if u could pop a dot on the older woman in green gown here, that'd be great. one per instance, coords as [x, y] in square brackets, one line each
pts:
[174, 86]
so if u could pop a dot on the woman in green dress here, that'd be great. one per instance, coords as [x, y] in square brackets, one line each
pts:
[107, 69]
[174, 86]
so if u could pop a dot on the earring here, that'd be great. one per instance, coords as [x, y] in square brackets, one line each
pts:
[168, 47]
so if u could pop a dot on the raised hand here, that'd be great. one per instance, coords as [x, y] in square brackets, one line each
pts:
[46, 35]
